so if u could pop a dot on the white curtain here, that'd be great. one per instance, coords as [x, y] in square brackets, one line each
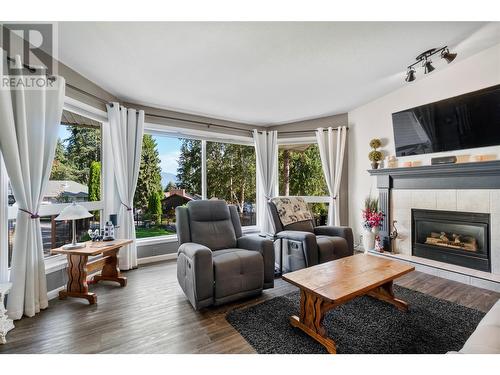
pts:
[332, 151]
[29, 122]
[266, 151]
[126, 130]
[4, 245]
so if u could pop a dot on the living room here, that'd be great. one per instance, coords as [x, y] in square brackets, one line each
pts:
[265, 185]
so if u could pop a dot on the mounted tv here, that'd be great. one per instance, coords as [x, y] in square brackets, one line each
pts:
[462, 122]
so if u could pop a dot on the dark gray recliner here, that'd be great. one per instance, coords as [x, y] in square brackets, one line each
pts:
[216, 263]
[320, 244]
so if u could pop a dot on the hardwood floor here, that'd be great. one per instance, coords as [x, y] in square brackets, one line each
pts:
[151, 315]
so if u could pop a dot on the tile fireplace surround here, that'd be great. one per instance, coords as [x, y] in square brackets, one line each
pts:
[434, 192]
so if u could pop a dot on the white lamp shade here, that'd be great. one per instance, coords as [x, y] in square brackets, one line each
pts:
[73, 212]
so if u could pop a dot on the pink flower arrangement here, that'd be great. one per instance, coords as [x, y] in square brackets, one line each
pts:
[372, 217]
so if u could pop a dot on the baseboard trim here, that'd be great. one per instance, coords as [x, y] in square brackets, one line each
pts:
[157, 258]
[53, 294]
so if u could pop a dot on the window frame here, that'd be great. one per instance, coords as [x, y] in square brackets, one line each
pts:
[300, 141]
[55, 262]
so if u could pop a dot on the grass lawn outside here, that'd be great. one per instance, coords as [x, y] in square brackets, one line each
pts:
[152, 232]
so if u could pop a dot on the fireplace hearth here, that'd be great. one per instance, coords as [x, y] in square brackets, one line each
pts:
[460, 238]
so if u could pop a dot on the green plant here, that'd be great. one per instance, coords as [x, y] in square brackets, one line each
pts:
[371, 204]
[375, 155]
[375, 143]
[94, 185]
[154, 207]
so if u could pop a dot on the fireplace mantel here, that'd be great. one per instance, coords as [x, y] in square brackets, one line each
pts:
[478, 175]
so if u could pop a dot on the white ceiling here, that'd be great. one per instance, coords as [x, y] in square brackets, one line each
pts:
[259, 72]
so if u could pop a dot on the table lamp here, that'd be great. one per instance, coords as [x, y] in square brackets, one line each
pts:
[73, 212]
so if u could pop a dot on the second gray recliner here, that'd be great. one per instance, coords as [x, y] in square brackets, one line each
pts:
[216, 264]
[320, 244]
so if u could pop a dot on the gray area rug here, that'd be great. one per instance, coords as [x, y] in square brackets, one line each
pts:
[361, 326]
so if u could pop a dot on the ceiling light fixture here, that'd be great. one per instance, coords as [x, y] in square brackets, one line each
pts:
[428, 66]
[425, 61]
[410, 75]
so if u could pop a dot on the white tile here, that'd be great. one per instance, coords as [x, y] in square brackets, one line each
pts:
[485, 284]
[401, 199]
[423, 199]
[495, 226]
[403, 218]
[495, 201]
[446, 200]
[403, 246]
[425, 269]
[453, 276]
[495, 256]
[473, 200]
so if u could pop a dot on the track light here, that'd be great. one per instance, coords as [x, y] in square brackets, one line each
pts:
[428, 67]
[449, 57]
[425, 61]
[410, 75]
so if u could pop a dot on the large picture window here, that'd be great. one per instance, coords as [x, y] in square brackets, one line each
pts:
[170, 176]
[231, 176]
[300, 174]
[172, 173]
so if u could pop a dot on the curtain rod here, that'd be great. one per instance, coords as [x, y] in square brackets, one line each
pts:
[207, 124]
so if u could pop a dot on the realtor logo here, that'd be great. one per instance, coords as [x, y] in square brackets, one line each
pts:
[28, 55]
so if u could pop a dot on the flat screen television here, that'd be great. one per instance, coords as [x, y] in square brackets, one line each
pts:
[462, 122]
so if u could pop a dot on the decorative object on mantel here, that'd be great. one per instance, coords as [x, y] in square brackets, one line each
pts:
[444, 160]
[375, 156]
[391, 162]
[424, 59]
[6, 324]
[483, 157]
[406, 164]
[372, 221]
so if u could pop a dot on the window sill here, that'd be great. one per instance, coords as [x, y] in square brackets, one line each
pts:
[173, 237]
[156, 240]
[251, 229]
[55, 263]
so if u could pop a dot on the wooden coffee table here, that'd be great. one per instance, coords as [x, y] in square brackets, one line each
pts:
[328, 285]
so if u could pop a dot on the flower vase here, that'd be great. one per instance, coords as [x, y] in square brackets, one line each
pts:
[368, 240]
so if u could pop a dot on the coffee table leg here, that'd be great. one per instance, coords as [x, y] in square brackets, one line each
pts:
[312, 313]
[385, 293]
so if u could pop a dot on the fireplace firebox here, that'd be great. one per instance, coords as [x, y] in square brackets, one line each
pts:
[460, 238]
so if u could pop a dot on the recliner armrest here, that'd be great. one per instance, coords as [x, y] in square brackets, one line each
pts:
[254, 242]
[296, 235]
[266, 248]
[308, 241]
[340, 231]
[194, 250]
[195, 273]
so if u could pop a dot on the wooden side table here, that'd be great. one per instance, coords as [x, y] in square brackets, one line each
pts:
[79, 267]
[6, 324]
